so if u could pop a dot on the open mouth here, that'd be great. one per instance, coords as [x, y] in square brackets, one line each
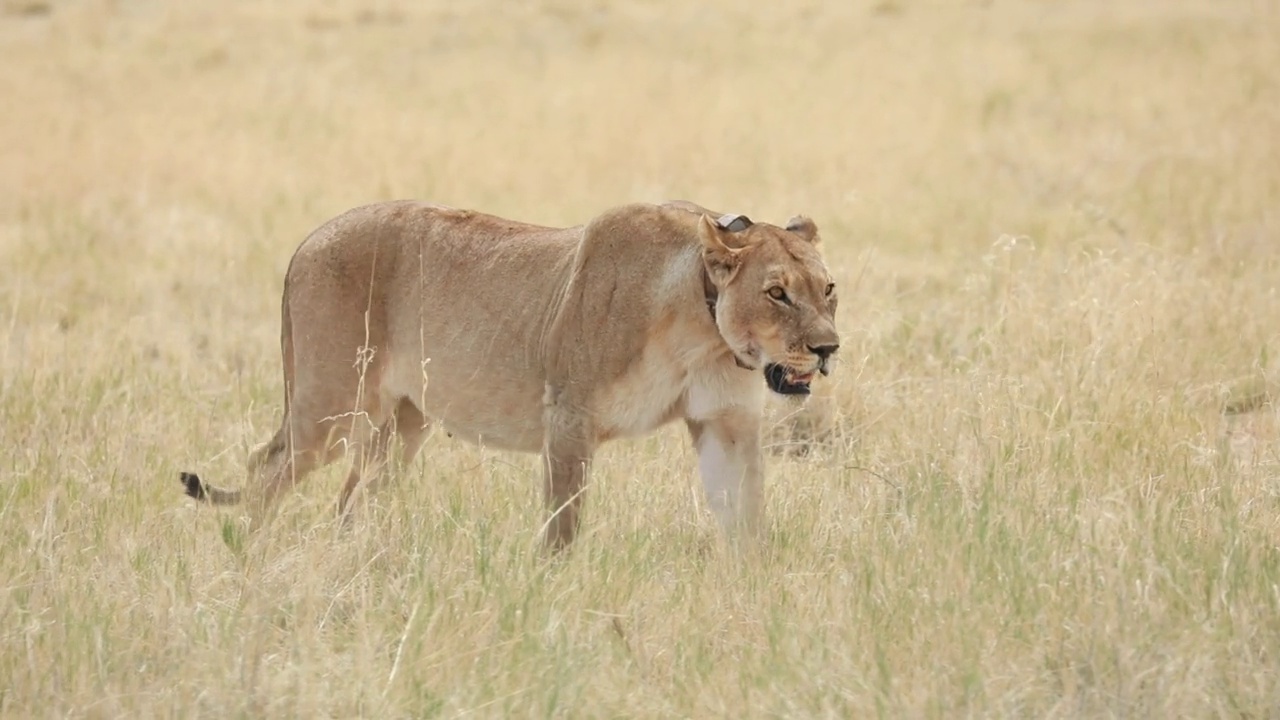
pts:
[786, 381]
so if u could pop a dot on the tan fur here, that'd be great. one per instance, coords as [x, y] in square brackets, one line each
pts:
[537, 339]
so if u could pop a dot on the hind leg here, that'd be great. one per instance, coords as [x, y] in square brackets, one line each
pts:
[276, 467]
[322, 430]
[368, 461]
[412, 427]
[369, 467]
[334, 350]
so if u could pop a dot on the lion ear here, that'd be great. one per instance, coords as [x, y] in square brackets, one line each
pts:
[804, 227]
[720, 259]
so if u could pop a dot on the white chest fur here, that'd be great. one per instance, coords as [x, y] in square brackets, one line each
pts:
[722, 386]
[657, 391]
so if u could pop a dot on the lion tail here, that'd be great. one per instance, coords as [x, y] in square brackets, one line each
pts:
[199, 490]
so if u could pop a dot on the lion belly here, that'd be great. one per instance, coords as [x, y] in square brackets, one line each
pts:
[498, 410]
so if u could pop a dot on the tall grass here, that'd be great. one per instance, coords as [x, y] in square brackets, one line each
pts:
[1055, 229]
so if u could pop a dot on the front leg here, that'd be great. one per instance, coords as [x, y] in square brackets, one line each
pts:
[730, 463]
[567, 449]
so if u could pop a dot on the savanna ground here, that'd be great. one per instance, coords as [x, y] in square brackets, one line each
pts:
[1044, 481]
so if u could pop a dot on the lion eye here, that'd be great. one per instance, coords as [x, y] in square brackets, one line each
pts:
[831, 287]
[777, 293]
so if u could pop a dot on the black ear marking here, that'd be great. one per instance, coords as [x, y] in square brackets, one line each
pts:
[734, 223]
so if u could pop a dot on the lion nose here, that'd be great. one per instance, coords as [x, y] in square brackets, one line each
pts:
[824, 351]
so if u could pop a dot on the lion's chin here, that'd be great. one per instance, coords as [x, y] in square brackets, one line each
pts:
[786, 381]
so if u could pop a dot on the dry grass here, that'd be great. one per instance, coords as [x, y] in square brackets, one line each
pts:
[1061, 221]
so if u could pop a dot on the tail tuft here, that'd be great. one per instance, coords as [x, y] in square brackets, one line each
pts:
[193, 486]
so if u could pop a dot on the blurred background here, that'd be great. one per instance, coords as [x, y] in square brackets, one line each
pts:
[184, 149]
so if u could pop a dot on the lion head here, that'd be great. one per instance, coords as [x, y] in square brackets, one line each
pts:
[776, 302]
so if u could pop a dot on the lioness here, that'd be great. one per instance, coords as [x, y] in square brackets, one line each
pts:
[538, 339]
